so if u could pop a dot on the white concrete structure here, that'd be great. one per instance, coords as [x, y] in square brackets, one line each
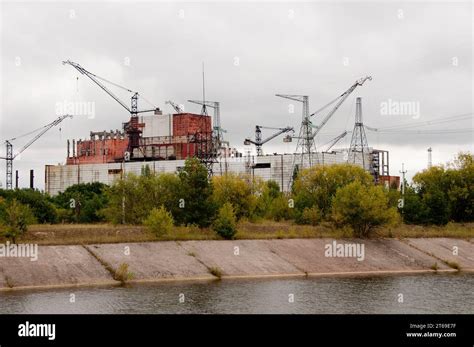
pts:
[157, 125]
[277, 167]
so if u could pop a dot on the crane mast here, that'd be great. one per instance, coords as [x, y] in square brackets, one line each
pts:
[307, 136]
[335, 140]
[132, 127]
[175, 106]
[258, 137]
[341, 99]
[94, 78]
[305, 142]
[9, 149]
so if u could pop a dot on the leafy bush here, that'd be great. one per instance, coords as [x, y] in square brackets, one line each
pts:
[279, 209]
[82, 203]
[122, 274]
[235, 190]
[311, 216]
[14, 219]
[461, 192]
[267, 192]
[414, 210]
[362, 208]
[39, 203]
[159, 221]
[132, 198]
[317, 185]
[197, 194]
[225, 223]
[186, 195]
[442, 193]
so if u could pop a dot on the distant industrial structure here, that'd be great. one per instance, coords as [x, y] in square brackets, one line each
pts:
[11, 155]
[163, 142]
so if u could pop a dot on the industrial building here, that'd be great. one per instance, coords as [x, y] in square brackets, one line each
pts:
[164, 145]
[163, 137]
[164, 141]
[278, 167]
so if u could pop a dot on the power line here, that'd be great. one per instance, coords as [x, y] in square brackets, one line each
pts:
[430, 131]
[26, 134]
[439, 120]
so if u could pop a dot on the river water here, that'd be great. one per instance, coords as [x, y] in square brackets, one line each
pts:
[427, 293]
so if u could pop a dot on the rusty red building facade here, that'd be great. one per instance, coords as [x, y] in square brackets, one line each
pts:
[161, 137]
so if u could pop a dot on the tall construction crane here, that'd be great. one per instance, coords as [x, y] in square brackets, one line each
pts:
[335, 140]
[339, 100]
[258, 137]
[132, 128]
[9, 147]
[307, 136]
[175, 106]
[305, 142]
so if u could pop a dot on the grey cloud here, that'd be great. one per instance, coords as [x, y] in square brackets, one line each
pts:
[410, 60]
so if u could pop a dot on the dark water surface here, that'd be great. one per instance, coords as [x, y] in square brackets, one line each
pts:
[427, 293]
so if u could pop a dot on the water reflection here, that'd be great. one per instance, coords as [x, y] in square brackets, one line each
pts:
[428, 293]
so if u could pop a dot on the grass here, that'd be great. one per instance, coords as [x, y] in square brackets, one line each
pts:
[9, 282]
[68, 234]
[286, 230]
[455, 230]
[215, 271]
[453, 265]
[122, 274]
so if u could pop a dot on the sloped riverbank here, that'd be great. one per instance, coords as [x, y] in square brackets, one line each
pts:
[84, 265]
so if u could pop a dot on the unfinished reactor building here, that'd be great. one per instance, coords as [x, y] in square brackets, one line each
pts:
[164, 141]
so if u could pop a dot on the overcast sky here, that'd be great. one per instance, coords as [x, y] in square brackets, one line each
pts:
[418, 53]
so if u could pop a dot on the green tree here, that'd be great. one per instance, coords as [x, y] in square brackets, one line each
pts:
[272, 189]
[146, 171]
[82, 203]
[234, 189]
[267, 193]
[132, 198]
[414, 210]
[279, 209]
[460, 174]
[39, 203]
[159, 221]
[316, 186]
[14, 219]
[187, 196]
[311, 216]
[225, 225]
[446, 192]
[362, 207]
[198, 206]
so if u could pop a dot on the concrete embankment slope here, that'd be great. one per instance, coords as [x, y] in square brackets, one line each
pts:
[207, 260]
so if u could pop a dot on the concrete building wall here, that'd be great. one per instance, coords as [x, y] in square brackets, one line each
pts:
[157, 125]
[276, 167]
[99, 151]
